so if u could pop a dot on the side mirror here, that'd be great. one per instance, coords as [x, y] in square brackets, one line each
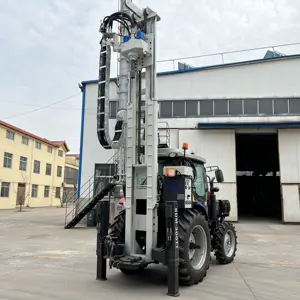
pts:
[219, 176]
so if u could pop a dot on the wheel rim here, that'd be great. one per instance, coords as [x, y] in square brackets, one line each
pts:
[197, 256]
[229, 243]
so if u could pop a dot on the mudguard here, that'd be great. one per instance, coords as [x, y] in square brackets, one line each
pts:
[198, 205]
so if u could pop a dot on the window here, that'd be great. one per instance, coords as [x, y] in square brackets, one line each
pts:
[112, 109]
[25, 140]
[281, 106]
[57, 192]
[59, 171]
[250, 107]
[200, 181]
[265, 106]
[36, 167]
[60, 153]
[10, 135]
[46, 191]
[165, 110]
[178, 109]
[23, 163]
[34, 191]
[294, 106]
[7, 163]
[221, 107]
[191, 108]
[48, 169]
[104, 170]
[235, 107]
[206, 108]
[49, 149]
[38, 145]
[103, 175]
[71, 175]
[4, 189]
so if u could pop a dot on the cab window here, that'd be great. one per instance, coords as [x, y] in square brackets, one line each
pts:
[200, 183]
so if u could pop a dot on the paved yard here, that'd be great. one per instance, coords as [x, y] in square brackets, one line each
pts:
[41, 260]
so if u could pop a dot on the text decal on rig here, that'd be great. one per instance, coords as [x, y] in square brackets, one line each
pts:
[176, 228]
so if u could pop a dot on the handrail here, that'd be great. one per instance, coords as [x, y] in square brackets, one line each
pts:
[228, 52]
[77, 205]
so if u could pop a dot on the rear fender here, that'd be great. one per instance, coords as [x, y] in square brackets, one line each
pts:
[199, 206]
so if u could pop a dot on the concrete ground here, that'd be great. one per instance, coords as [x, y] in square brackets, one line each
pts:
[41, 260]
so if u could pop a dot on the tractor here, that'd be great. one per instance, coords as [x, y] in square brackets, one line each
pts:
[171, 215]
[202, 227]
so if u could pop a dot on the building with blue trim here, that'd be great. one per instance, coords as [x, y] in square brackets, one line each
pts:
[243, 117]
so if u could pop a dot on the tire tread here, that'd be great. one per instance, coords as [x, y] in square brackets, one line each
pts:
[218, 242]
[186, 218]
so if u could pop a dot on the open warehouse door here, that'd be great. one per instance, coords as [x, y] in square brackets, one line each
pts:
[289, 156]
[258, 176]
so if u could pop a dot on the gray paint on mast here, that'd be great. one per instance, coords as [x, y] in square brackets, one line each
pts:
[123, 99]
[124, 70]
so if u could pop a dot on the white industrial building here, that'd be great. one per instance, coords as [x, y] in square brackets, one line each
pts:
[243, 117]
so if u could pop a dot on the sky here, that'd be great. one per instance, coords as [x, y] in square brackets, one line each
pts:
[49, 46]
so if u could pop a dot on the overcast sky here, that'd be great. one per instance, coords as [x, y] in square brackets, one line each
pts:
[48, 46]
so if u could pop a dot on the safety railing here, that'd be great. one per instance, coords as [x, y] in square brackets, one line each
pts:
[163, 134]
[225, 57]
[75, 204]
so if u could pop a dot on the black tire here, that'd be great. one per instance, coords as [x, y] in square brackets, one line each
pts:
[218, 241]
[189, 219]
[117, 228]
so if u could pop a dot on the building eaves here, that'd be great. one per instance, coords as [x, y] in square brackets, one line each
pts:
[55, 144]
[61, 144]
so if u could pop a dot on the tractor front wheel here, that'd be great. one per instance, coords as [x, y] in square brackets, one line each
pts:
[194, 247]
[225, 243]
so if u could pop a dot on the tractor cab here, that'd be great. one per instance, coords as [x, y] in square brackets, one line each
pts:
[176, 157]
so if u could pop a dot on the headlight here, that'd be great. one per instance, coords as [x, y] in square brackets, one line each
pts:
[173, 154]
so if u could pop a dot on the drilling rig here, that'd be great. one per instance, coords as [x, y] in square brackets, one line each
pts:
[170, 212]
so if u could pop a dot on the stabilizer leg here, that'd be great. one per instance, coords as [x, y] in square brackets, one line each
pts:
[102, 232]
[173, 250]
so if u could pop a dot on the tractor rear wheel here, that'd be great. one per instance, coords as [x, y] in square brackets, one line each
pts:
[117, 228]
[225, 243]
[194, 247]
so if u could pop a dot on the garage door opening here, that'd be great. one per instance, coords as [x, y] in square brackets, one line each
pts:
[258, 176]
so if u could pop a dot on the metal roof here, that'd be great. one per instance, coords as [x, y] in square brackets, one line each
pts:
[55, 144]
[225, 65]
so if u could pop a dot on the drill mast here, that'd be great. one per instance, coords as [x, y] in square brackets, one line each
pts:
[136, 127]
